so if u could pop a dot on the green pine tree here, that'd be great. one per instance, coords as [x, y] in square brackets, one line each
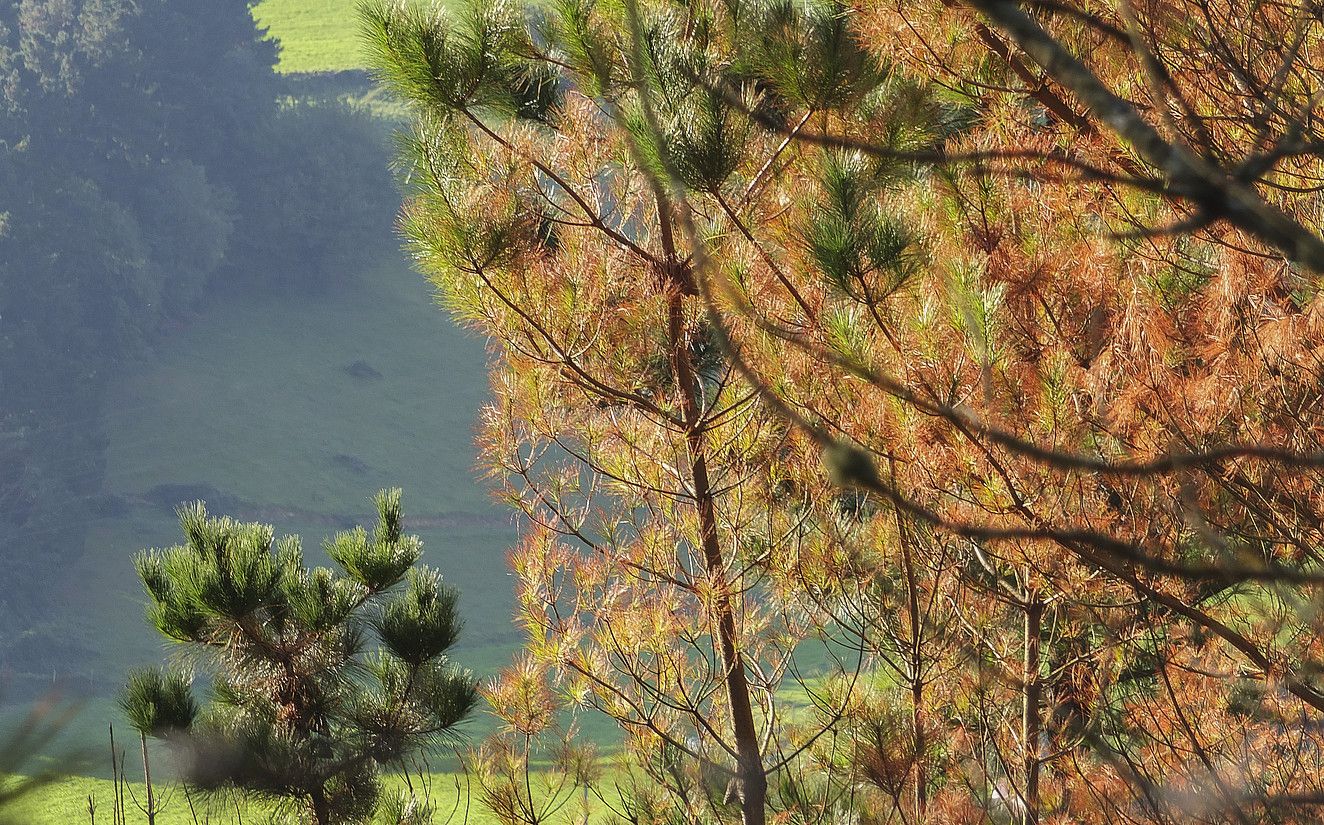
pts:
[305, 708]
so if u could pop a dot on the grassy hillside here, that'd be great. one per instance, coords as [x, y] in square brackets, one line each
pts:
[294, 411]
[315, 35]
[310, 403]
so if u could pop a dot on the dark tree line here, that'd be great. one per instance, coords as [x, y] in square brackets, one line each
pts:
[149, 153]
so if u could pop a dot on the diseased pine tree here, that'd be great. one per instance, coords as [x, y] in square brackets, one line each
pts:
[980, 342]
[656, 576]
[302, 710]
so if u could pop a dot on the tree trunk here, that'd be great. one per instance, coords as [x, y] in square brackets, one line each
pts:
[916, 674]
[753, 782]
[921, 769]
[147, 775]
[1031, 725]
[321, 811]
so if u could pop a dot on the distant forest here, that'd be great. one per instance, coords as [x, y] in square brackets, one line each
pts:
[126, 198]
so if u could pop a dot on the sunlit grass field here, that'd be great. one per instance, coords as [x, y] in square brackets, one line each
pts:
[66, 803]
[315, 35]
[82, 753]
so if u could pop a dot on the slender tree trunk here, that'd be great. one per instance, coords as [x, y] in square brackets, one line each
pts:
[321, 811]
[1031, 725]
[753, 782]
[114, 781]
[921, 745]
[147, 775]
[916, 675]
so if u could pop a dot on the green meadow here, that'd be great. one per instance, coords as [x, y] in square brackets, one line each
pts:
[315, 35]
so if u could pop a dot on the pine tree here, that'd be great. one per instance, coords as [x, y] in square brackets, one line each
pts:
[658, 582]
[303, 709]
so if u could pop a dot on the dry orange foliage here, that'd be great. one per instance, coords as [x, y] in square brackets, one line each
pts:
[914, 406]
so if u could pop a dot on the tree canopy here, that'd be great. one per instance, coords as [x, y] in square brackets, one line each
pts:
[974, 343]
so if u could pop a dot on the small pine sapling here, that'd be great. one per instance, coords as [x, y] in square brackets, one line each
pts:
[304, 709]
